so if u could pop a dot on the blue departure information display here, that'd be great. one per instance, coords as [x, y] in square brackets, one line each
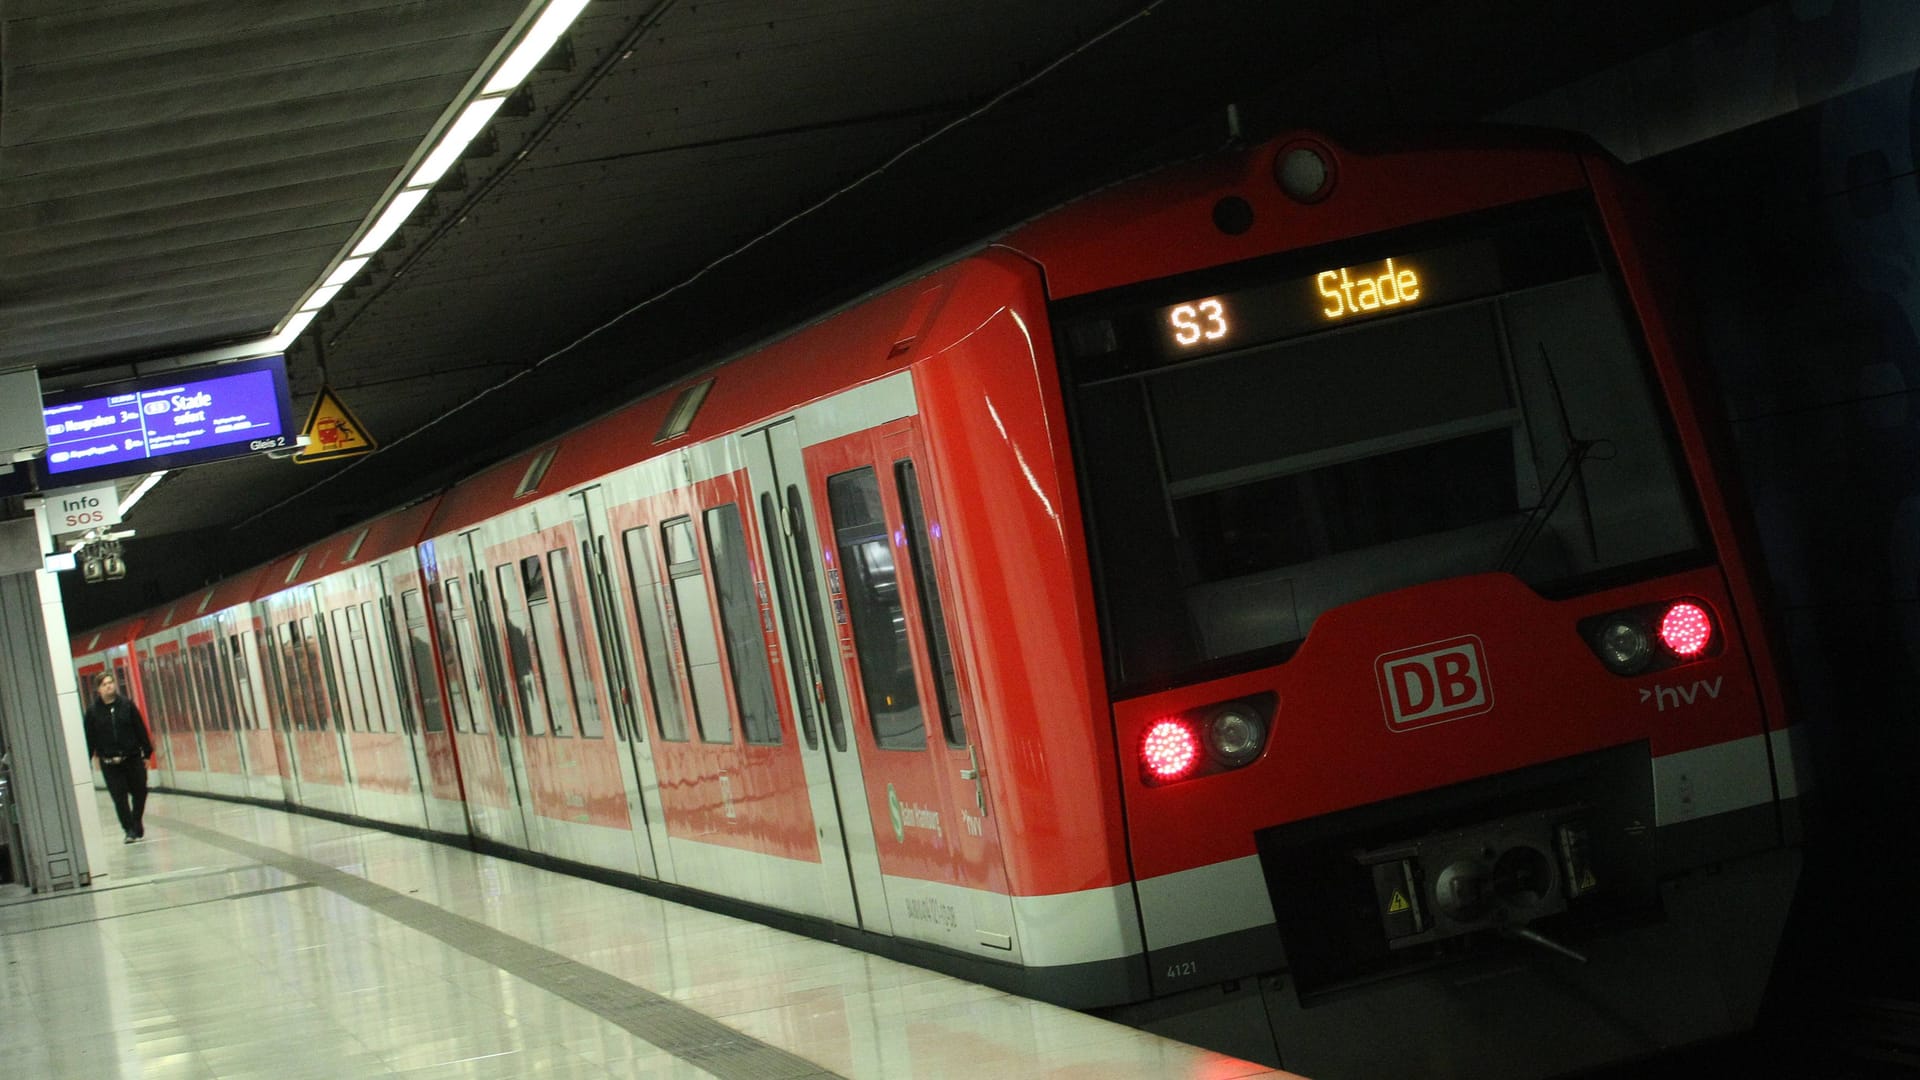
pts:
[168, 421]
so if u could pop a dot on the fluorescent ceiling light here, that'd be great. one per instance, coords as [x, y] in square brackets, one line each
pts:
[345, 271]
[545, 31]
[472, 120]
[321, 297]
[280, 341]
[397, 212]
[137, 493]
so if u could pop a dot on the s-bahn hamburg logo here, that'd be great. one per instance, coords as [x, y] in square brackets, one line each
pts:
[1434, 683]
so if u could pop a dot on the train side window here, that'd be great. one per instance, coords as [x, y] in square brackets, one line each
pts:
[221, 670]
[663, 691]
[157, 679]
[468, 668]
[789, 612]
[290, 663]
[346, 672]
[533, 704]
[546, 639]
[573, 643]
[741, 626]
[825, 648]
[699, 638]
[243, 681]
[420, 651]
[373, 689]
[397, 708]
[879, 618]
[187, 681]
[200, 680]
[320, 677]
[276, 680]
[933, 617]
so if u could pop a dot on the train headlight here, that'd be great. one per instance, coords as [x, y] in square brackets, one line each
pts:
[1236, 735]
[1624, 647]
[1304, 170]
[1653, 637]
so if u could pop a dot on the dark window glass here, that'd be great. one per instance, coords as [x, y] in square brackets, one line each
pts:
[420, 652]
[243, 681]
[826, 651]
[367, 659]
[740, 621]
[790, 612]
[458, 672]
[933, 615]
[546, 638]
[320, 681]
[573, 642]
[699, 640]
[289, 663]
[345, 671]
[662, 685]
[396, 708]
[879, 618]
[520, 669]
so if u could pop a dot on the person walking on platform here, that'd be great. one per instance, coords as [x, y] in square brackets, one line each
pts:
[117, 735]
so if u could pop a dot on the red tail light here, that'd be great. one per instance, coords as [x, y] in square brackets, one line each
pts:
[1686, 629]
[1170, 751]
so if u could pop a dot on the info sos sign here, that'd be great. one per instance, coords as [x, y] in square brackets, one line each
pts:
[80, 509]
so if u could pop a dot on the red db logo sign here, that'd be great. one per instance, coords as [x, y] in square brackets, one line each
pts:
[1434, 683]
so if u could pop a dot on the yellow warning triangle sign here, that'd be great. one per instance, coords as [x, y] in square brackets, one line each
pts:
[332, 431]
[1399, 903]
[1586, 879]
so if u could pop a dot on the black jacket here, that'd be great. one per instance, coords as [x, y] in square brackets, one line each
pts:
[117, 730]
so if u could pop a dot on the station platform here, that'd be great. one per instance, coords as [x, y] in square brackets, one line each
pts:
[239, 941]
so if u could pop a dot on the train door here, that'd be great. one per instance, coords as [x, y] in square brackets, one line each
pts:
[924, 781]
[831, 759]
[389, 671]
[636, 755]
[479, 643]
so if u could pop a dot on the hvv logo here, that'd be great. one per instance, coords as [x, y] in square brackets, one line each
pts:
[1434, 683]
[1676, 696]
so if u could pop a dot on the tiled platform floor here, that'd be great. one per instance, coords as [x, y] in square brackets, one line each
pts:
[245, 942]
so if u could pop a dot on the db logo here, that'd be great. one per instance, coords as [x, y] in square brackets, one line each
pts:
[1434, 683]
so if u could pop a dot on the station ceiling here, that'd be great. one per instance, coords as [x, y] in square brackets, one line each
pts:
[681, 178]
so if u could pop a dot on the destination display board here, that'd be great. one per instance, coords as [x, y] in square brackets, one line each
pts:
[167, 422]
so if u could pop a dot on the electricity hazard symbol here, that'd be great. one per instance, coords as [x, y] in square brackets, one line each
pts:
[332, 431]
[1399, 903]
[1586, 880]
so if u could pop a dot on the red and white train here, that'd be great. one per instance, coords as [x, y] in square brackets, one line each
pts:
[1290, 601]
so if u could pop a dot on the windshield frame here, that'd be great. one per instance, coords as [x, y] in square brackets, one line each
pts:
[1155, 295]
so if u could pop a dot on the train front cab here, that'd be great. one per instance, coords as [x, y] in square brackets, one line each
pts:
[1432, 654]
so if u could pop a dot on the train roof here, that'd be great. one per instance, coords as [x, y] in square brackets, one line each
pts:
[117, 632]
[859, 343]
[356, 545]
[1165, 223]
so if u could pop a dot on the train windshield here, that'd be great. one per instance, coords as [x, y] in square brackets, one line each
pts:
[1263, 443]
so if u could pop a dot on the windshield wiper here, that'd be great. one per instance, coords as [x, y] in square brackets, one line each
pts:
[1536, 523]
[1564, 479]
